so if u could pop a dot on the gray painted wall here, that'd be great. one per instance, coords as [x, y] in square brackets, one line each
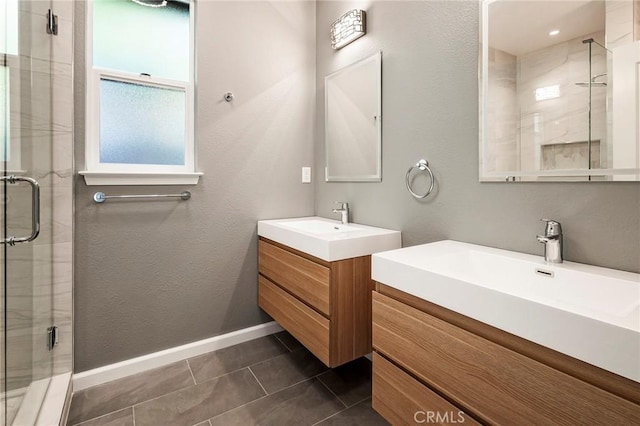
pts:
[153, 275]
[156, 275]
[430, 110]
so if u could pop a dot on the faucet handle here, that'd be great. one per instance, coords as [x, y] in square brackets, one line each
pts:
[343, 204]
[553, 227]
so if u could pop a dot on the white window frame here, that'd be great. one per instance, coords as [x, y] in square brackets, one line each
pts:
[98, 173]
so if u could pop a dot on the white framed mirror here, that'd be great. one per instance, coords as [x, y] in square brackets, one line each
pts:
[559, 100]
[353, 122]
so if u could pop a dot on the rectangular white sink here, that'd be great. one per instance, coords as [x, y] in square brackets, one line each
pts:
[315, 226]
[584, 311]
[329, 239]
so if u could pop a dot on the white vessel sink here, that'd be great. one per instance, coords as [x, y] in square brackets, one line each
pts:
[587, 312]
[329, 239]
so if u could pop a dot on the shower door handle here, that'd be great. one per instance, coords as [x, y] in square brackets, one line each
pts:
[35, 209]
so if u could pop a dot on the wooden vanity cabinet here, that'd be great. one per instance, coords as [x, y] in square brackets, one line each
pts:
[325, 305]
[460, 365]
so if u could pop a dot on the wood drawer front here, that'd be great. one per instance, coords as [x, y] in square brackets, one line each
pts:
[305, 324]
[302, 277]
[402, 400]
[496, 384]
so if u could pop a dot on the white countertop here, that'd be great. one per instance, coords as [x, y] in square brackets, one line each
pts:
[587, 312]
[329, 239]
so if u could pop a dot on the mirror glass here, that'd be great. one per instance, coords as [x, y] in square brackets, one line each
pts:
[353, 122]
[558, 90]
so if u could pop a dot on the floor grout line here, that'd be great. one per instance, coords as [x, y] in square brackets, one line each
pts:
[248, 367]
[235, 371]
[361, 401]
[263, 397]
[327, 418]
[239, 368]
[266, 394]
[282, 343]
[143, 401]
[256, 377]
[238, 407]
[187, 387]
[341, 411]
[191, 371]
[331, 391]
[103, 415]
[296, 383]
[165, 394]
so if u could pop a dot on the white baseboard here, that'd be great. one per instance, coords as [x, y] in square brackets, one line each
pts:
[107, 373]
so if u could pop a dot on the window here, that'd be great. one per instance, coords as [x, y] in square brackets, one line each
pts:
[9, 32]
[140, 100]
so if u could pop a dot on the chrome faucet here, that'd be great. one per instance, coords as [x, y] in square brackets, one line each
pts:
[552, 240]
[343, 210]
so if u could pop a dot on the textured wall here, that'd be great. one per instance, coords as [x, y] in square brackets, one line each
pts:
[153, 275]
[430, 107]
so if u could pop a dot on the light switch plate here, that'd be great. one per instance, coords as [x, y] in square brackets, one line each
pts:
[306, 175]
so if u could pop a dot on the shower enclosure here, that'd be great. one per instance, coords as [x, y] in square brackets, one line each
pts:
[557, 90]
[36, 210]
[547, 110]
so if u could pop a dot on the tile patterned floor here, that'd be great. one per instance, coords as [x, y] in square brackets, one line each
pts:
[272, 380]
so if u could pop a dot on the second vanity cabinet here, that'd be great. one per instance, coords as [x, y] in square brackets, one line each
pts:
[325, 305]
[430, 361]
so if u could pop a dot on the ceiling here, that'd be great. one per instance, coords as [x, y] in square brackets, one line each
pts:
[522, 26]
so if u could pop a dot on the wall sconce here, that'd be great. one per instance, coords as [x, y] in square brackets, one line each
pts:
[347, 28]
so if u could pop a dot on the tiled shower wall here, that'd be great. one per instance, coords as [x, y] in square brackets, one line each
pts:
[622, 26]
[563, 120]
[621, 18]
[502, 106]
[636, 20]
[520, 125]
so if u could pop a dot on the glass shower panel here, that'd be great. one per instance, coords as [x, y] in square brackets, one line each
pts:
[26, 141]
[599, 99]
[562, 115]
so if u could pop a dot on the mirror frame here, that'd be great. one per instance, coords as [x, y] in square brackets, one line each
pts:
[377, 176]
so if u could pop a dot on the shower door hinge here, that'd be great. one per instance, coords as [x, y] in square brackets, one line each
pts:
[52, 337]
[52, 23]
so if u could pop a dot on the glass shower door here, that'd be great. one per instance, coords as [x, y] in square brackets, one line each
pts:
[25, 231]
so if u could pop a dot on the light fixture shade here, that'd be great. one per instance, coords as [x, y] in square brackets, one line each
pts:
[151, 3]
[348, 28]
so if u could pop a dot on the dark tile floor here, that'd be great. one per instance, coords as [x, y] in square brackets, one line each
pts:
[272, 380]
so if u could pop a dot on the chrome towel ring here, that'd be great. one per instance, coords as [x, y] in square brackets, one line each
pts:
[421, 165]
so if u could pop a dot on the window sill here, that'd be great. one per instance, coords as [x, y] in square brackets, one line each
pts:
[139, 178]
